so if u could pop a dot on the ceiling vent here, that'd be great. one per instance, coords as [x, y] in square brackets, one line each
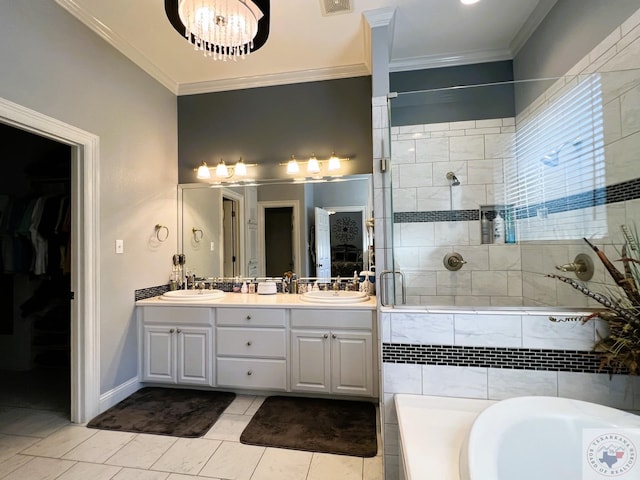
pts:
[335, 7]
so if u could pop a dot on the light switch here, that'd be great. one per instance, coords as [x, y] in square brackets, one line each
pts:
[119, 246]
[211, 246]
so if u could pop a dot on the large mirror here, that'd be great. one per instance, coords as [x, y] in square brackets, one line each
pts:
[268, 228]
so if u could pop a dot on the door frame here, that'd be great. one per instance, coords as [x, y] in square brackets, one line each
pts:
[262, 206]
[85, 229]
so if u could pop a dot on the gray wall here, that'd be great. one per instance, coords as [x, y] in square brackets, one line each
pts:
[53, 64]
[570, 31]
[267, 125]
[452, 105]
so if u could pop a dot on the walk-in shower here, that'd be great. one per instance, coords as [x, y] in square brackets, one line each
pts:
[552, 161]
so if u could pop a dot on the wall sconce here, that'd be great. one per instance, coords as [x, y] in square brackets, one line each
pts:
[314, 166]
[223, 171]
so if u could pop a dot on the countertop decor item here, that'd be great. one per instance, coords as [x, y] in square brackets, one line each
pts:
[620, 350]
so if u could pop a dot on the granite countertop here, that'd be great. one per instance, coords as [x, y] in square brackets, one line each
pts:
[278, 300]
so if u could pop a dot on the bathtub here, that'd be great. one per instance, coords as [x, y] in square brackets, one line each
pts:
[523, 438]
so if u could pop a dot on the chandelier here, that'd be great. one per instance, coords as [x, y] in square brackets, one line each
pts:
[221, 29]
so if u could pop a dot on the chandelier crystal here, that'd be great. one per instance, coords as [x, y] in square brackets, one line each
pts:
[222, 29]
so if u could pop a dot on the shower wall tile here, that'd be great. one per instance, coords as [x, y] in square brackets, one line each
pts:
[430, 329]
[440, 170]
[490, 122]
[630, 111]
[514, 280]
[453, 283]
[414, 175]
[540, 332]
[468, 197]
[467, 148]
[611, 113]
[489, 283]
[504, 257]
[485, 171]
[477, 257]
[463, 125]
[499, 145]
[420, 283]
[432, 150]
[469, 382]
[488, 330]
[513, 301]
[452, 233]
[472, 301]
[505, 383]
[432, 198]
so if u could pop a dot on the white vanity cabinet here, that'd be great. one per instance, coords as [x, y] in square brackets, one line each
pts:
[332, 352]
[251, 348]
[176, 345]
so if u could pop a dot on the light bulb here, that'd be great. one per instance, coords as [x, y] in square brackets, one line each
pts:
[334, 162]
[313, 166]
[241, 168]
[203, 171]
[221, 170]
[292, 166]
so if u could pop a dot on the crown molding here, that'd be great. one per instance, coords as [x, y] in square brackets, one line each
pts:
[119, 43]
[439, 61]
[314, 75]
[533, 21]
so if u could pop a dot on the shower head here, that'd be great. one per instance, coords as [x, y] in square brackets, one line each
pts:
[453, 179]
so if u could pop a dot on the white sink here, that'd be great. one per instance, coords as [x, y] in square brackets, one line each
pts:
[331, 296]
[192, 295]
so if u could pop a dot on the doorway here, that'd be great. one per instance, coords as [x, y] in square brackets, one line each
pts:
[35, 323]
[279, 242]
[84, 379]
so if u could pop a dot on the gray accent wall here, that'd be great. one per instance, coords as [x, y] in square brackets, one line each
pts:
[269, 124]
[53, 64]
[443, 104]
[569, 32]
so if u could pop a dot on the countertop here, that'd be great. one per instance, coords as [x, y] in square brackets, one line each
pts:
[279, 300]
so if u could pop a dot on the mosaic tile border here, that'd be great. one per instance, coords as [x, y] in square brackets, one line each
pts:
[149, 292]
[619, 192]
[581, 361]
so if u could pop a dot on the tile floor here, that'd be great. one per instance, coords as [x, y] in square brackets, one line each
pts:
[38, 444]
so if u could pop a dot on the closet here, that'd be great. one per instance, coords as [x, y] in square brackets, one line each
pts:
[35, 271]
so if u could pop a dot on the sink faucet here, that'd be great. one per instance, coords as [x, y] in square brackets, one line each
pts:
[336, 284]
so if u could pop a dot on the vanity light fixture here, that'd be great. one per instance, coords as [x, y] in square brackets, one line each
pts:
[221, 29]
[223, 171]
[468, 2]
[292, 166]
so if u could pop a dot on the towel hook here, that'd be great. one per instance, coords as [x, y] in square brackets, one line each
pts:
[159, 236]
[197, 237]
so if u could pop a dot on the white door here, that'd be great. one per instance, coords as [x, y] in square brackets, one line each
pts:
[323, 244]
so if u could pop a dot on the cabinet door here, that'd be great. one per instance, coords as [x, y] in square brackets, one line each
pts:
[351, 363]
[311, 361]
[159, 354]
[194, 355]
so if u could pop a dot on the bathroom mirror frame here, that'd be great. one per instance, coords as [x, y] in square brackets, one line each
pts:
[251, 223]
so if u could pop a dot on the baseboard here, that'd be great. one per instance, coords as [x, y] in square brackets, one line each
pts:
[119, 393]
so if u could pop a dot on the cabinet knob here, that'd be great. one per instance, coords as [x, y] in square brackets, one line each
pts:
[334, 336]
[326, 335]
[248, 317]
[249, 343]
[250, 372]
[179, 331]
[171, 330]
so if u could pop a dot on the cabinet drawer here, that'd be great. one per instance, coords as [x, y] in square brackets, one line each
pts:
[175, 315]
[357, 319]
[251, 342]
[246, 317]
[251, 373]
